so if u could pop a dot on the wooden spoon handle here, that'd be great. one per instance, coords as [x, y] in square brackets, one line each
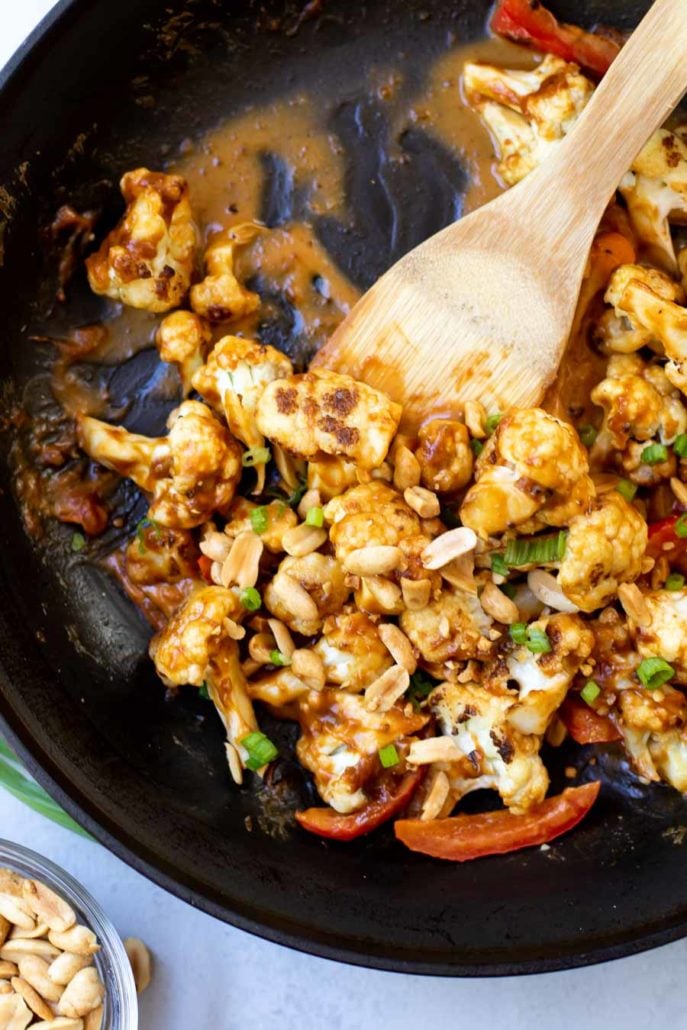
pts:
[636, 95]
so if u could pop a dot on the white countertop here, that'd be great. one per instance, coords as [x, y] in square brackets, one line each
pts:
[209, 976]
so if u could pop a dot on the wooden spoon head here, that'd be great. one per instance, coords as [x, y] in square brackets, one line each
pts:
[482, 310]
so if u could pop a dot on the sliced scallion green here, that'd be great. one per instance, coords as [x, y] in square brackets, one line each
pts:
[315, 517]
[477, 447]
[681, 527]
[278, 658]
[654, 454]
[388, 756]
[542, 550]
[654, 672]
[627, 489]
[590, 692]
[587, 435]
[675, 581]
[78, 542]
[680, 445]
[255, 456]
[250, 599]
[260, 750]
[498, 565]
[260, 519]
[493, 421]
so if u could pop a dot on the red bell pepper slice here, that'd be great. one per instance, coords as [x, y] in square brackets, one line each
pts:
[464, 837]
[586, 726]
[663, 540]
[527, 21]
[391, 796]
[205, 565]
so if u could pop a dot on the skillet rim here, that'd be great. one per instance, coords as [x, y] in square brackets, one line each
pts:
[264, 925]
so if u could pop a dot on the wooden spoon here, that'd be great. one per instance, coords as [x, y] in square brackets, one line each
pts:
[484, 309]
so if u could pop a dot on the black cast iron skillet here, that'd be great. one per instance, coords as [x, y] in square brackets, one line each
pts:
[102, 87]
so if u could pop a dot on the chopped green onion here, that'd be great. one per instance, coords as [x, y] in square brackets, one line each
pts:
[277, 658]
[421, 686]
[477, 447]
[260, 750]
[315, 517]
[498, 565]
[388, 756]
[255, 456]
[537, 641]
[680, 445]
[627, 489]
[590, 692]
[654, 454]
[681, 527]
[509, 589]
[492, 422]
[654, 672]
[675, 581]
[78, 542]
[250, 599]
[260, 519]
[540, 550]
[587, 435]
[518, 632]
[203, 690]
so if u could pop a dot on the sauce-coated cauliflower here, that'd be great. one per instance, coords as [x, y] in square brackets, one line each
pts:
[640, 405]
[533, 464]
[444, 455]
[655, 191]
[321, 578]
[654, 728]
[323, 412]
[182, 652]
[604, 548]
[500, 757]
[191, 473]
[665, 633]
[182, 339]
[352, 652]
[527, 112]
[147, 260]
[450, 629]
[220, 296]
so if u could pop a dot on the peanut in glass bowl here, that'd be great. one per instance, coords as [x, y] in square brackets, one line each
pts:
[120, 1005]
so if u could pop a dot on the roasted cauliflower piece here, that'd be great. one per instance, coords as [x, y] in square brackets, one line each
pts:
[352, 652]
[662, 631]
[220, 297]
[500, 757]
[304, 591]
[655, 191]
[331, 475]
[544, 679]
[191, 473]
[233, 380]
[444, 455]
[341, 739]
[183, 651]
[640, 405]
[527, 112]
[157, 554]
[532, 464]
[183, 340]
[278, 519]
[324, 412]
[147, 260]
[654, 728]
[604, 548]
[451, 629]
[649, 301]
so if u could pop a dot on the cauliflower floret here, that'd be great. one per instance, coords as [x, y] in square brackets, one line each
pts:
[655, 191]
[450, 629]
[321, 577]
[653, 724]
[664, 634]
[444, 455]
[502, 758]
[331, 475]
[341, 740]
[191, 473]
[278, 516]
[533, 462]
[220, 296]
[182, 340]
[618, 329]
[147, 260]
[604, 549]
[233, 380]
[544, 679]
[527, 112]
[352, 652]
[326, 412]
[182, 652]
[648, 300]
[640, 404]
[157, 554]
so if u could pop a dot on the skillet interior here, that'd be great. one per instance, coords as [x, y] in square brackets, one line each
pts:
[79, 697]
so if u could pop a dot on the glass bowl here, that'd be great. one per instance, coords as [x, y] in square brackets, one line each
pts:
[120, 1006]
